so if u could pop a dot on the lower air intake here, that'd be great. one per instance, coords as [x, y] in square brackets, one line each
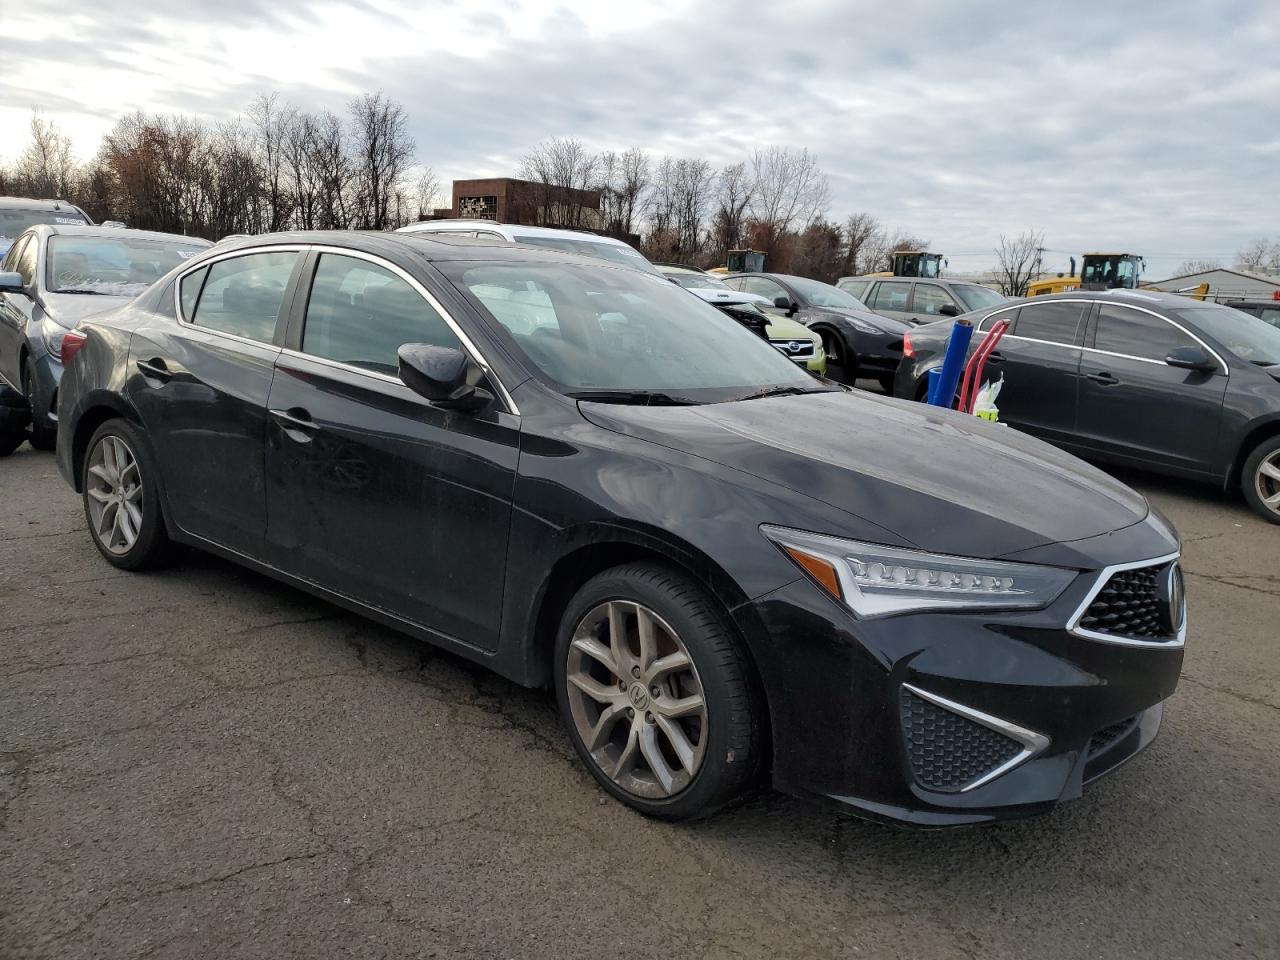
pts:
[947, 751]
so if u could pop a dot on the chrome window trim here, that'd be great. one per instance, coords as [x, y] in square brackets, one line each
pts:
[1073, 625]
[422, 291]
[1032, 742]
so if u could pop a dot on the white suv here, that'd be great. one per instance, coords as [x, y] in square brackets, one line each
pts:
[571, 241]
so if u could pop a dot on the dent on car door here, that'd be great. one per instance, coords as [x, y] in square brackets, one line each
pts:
[373, 492]
[200, 385]
[1136, 407]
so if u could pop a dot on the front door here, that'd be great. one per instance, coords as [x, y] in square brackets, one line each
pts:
[200, 385]
[373, 492]
[15, 310]
[891, 298]
[1135, 407]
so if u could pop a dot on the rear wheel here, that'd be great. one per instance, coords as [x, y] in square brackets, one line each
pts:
[43, 437]
[121, 502]
[656, 692]
[1260, 479]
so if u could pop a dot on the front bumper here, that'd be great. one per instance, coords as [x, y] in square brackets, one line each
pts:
[849, 730]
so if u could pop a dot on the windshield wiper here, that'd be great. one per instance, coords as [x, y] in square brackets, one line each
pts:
[779, 392]
[644, 398]
[96, 293]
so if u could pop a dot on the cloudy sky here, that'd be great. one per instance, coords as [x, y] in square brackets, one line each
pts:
[1150, 127]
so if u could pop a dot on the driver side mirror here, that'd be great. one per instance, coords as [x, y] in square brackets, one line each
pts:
[948, 310]
[783, 302]
[444, 375]
[1192, 358]
[11, 283]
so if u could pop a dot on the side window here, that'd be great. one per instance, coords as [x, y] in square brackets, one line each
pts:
[930, 298]
[989, 322]
[1137, 334]
[1056, 321]
[361, 314]
[242, 295]
[890, 296]
[1270, 315]
[764, 287]
[734, 283]
[10, 263]
[25, 262]
[189, 289]
[854, 288]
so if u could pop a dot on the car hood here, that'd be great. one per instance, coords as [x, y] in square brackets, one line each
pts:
[886, 324]
[68, 309]
[716, 295]
[940, 480]
[784, 328]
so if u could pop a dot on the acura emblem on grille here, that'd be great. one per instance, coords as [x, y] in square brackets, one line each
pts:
[1175, 592]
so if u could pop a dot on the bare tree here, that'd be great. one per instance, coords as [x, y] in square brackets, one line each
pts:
[1019, 262]
[789, 190]
[271, 121]
[1198, 266]
[426, 193]
[622, 179]
[733, 196]
[46, 166]
[560, 168]
[382, 151]
[1260, 254]
[862, 233]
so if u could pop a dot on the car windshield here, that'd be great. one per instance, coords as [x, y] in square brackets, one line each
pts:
[977, 297]
[118, 266]
[597, 331]
[13, 222]
[697, 281]
[824, 295]
[592, 248]
[1248, 337]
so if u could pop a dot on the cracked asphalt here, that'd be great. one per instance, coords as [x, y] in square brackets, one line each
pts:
[202, 763]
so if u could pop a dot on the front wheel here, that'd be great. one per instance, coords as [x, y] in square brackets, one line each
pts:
[121, 499]
[657, 693]
[1260, 480]
[43, 437]
[841, 364]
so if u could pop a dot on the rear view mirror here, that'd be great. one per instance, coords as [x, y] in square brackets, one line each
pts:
[11, 283]
[443, 375]
[1192, 358]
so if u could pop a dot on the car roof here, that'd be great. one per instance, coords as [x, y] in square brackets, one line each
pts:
[679, 268]
[509, 229]
[945, 281]
[24, 203]
[62, 229]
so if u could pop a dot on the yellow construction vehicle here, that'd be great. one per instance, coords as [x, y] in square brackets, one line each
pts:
[742, 261]
[913, 263]
[1098, 271]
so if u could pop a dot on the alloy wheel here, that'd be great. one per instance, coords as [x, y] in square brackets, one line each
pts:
[1267, 482]
[113, 487]
[636, 700]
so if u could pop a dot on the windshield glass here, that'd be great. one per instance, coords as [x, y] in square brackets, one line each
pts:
[1248, 337]
[977, 297]
[13, 222]
[118, 266]
[601, 329]
[824, 295]
[592, 248]
[697, 281]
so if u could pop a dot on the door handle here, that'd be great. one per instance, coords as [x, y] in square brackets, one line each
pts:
[1103, 378]
[154, 369]
[995, 357]
[296, 423]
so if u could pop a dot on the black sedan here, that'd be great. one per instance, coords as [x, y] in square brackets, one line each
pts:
[583, 477]
[1139, 378]
[53, 277]
[857, 342]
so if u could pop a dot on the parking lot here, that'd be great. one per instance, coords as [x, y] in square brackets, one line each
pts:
[201, 762]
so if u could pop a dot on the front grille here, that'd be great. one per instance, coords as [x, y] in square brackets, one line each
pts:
[948, 751]
[1107, 736]
[1130, 605]
[795, 349]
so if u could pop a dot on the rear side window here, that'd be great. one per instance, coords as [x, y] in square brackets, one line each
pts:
[25, 262]
[890, 296]
[1054, 322]
[930, 298]
[1137, 334]
[361, 314]
[189, 287]
[243, 295]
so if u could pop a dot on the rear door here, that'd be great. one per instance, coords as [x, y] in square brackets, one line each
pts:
[199, 379]
[1134, 406]
[1039, 359]
[373, 492]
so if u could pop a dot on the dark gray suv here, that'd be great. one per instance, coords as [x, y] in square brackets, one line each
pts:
[920, 301]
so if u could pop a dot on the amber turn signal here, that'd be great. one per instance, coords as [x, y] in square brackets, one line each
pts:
[818, 568]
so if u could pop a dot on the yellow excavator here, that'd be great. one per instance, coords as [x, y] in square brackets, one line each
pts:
[913, 263]
[1106, 271]
[742, 261]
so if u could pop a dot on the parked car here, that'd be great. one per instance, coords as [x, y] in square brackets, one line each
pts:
[19, 213]
[920, 301]
[857, 342]
[717, 561]
[54, 276]
[570, 241]
[1139, 378]
[1266, 310]
[796, 341]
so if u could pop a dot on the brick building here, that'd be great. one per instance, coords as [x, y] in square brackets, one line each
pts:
[507, 200]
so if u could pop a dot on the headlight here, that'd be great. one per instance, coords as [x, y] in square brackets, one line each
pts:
[878, 581]
[52, 333]
[862, 326]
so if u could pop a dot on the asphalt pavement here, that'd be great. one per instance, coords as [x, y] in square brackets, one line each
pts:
[202, 763]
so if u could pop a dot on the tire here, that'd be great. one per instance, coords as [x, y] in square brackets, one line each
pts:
[43, 437]
[886, 383]
[108, 491]
[1260, 480]
[838, 366]
[11, 440]
[722, 739]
